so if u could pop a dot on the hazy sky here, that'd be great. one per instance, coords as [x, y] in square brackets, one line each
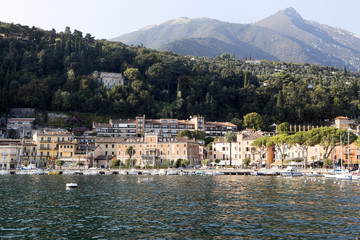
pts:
[112, 18]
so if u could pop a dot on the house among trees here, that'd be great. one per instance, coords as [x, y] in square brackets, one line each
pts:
[110, 80]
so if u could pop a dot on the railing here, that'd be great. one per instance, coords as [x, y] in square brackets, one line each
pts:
[45, 148]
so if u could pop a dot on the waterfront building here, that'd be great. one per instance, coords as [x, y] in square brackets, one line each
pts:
[156, 149]
[10, 153]
[48, 145]
[166, 127]
[240, 149]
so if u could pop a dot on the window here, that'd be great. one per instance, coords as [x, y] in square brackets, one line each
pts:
[215, 156]
[106, 146]
[112, 146]
[112, 153]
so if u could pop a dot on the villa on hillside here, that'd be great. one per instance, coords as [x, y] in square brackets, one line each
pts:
[110, 80]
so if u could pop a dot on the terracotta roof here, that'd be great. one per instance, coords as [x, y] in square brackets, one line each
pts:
[251, 136]
[341, 117]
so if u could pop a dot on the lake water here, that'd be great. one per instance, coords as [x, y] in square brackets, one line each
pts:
[177, 207]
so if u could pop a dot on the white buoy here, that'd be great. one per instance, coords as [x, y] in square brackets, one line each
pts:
[71, 185]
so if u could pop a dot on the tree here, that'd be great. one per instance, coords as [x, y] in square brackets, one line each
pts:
[130, 151]
[205, 162]
[198, 135]
[284, 128]
[328, 138]
[59, 163]
[254, 120]
[328, 162]
[115, 163]
[303, 140]
[262, 148]
[185, 162]
[185, 133]
[133, 74]
[245, 162]
[281, 143]
[230, 137]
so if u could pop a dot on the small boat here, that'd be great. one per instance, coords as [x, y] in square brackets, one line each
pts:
[4, 172]
[145, 180]
[123, 173]
[200, 172]
[355, 176]
[172, 172]
[256, 173]
[91, 172]
[217, 173]
[343, 176]
[329, 175]
[314, 174]
[269, 173]
[162, 172]
[291, 172]
[78, 172]
[68, 172]
[133, 172]
[37, 172]
[71, 185]
[146, 173]
[54, 172]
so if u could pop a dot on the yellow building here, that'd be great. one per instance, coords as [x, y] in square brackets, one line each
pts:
[155, 149]
[48, 145]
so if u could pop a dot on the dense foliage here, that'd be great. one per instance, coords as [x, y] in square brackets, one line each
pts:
[58, 72]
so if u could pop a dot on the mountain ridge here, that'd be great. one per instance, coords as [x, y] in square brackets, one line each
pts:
[283, 36]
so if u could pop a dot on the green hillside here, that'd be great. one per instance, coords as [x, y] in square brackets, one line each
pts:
[53, 71]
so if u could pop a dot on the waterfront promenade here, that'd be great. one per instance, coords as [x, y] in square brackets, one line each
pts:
[221, 171]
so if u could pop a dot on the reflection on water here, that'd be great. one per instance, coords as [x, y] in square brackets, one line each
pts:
[194, 207]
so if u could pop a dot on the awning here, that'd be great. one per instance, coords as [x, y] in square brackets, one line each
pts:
[227, 162]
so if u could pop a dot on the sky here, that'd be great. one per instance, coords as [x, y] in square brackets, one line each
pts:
[107, 19]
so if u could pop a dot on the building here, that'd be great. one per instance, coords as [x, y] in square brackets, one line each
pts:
[110, 80]
[342, 123]
[22, 112]
[10, 153]
[166, 127]
[156, 149]
[240, 149]
[53, 145]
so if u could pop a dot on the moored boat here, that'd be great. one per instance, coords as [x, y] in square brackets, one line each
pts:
[4, 172]
[291, 172]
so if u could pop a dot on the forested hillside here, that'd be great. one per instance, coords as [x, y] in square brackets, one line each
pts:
[53, 71]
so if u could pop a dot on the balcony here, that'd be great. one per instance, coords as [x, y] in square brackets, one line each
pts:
[149, 157]
[45, 148]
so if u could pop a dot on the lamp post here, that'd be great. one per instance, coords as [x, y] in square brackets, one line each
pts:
[349, 147]
[87, 145]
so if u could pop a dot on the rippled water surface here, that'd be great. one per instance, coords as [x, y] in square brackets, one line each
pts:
[178, 207]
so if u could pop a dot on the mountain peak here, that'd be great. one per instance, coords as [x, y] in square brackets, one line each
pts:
[290, 12]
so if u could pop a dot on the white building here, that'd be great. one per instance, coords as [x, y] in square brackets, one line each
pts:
[110, 80]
